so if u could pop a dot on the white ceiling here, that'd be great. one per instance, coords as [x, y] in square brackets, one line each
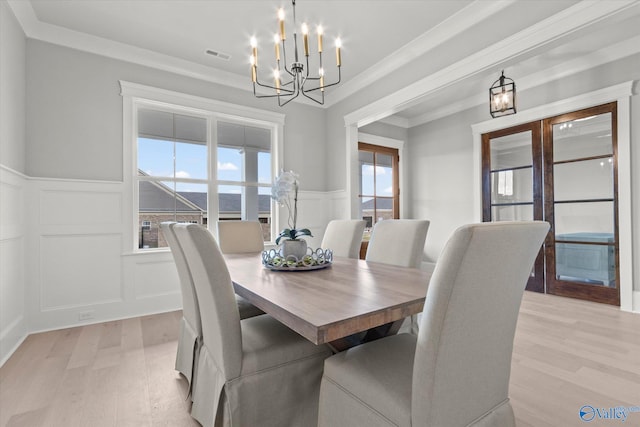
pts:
[381, 39]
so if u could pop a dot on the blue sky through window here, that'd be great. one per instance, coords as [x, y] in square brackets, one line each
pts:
[155, 158]
[384, 180]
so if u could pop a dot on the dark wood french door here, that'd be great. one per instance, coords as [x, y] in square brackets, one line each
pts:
[512, 182]
[562, 170]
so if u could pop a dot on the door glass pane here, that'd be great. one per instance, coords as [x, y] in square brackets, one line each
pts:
[511, 151]
[587, 179]
[512, 186]
[512, 213]
[368, 211]
[384, 208]
[366, 173]
[594, 217]
[384, 175]
[587, 263]
[584, 137]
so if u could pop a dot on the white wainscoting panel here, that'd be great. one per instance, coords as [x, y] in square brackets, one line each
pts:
[156, 278]
[78, 273]
[338, 207]
[13, 324]
[78, 208]
[80, 270]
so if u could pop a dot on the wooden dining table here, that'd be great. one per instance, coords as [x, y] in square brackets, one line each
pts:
[328, 304]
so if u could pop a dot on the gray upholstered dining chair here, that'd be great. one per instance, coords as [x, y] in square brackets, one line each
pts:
[237, 237]
[398, 242]
[241, 237]
[190, 334]
[456, 372]
[250, 372]
[190, 330]
[343, 237]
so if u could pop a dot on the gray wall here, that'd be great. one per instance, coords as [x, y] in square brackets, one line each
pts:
[12, 91]
[74, 111]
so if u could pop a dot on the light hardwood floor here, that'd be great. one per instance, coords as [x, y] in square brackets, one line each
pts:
[567, 354]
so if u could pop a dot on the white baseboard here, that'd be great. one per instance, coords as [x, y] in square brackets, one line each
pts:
[11, 338]
[635, 305]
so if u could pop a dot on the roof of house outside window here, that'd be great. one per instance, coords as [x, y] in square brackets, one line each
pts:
[157, 197]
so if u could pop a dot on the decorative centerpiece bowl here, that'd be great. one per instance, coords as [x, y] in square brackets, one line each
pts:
[274, 259]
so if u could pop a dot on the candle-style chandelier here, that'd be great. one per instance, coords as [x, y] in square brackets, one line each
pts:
[289, 80]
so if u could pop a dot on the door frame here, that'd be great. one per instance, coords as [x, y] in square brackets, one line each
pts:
[620, 93]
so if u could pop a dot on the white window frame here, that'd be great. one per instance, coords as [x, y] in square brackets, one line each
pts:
[136, 96]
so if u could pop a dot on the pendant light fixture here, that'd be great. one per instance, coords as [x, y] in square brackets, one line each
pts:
[502, 97]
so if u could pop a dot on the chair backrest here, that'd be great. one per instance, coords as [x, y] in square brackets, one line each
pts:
[343, 237]
[398, 242]
[236, 237]
[190, 310]
[463, 356]
[221, 332]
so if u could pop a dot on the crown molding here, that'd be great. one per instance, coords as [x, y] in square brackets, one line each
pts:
[37, 30]
[561, 24]
[456, 24]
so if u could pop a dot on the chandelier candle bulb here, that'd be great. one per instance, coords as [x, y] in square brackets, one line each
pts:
[305, 38]
[281, 19]
[338, 56]
[254, 76]
[254, 51]
[276, 40]
[276, 76]
[319, 31]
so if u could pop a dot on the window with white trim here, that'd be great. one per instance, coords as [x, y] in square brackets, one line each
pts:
[197, 160]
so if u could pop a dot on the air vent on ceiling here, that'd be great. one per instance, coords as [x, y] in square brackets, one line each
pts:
[221, 55]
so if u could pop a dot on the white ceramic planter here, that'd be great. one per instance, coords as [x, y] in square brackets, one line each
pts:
[297, 248]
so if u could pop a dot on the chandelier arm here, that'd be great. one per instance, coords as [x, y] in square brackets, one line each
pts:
[288, 91]
[313, 99]
[321, 87]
